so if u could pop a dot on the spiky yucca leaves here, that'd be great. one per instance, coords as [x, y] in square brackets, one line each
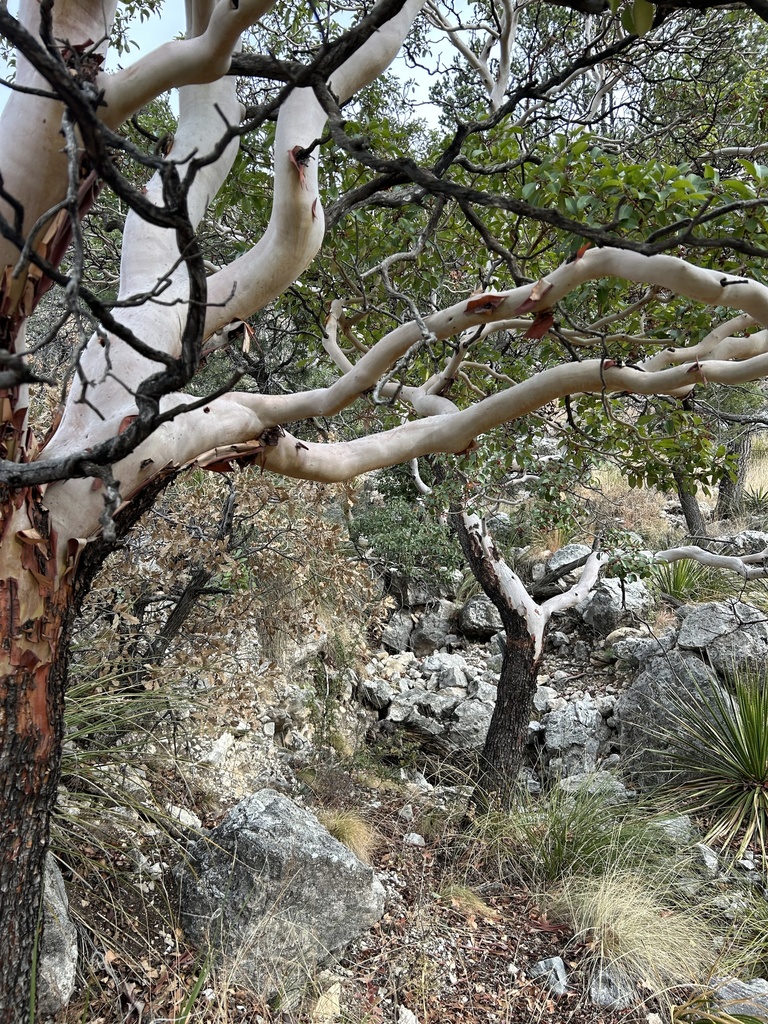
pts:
[720, 744]
[699, 1009]
[686, 580]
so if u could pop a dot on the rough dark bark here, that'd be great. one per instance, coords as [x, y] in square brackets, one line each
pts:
[730, 492]
[694, 520]
[504, 748]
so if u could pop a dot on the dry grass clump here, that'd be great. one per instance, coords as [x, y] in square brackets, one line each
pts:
[639, 509]
[627, 922]
[351, 831]
[465, 900]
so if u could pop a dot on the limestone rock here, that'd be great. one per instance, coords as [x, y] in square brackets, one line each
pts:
[274, 893]
[58, 953]
[479, 619]
[648, 707]
[396, 635]
[732, 635]
[576, 735]
[747, 997]
[613, 602]
[430, 632]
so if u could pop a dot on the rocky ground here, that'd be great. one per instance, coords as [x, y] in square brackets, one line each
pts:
[462, 937]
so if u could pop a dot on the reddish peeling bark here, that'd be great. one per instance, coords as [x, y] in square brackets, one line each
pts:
[35, 599]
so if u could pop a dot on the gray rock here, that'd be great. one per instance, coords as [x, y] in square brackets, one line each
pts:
[58, 953]
[376, 692]
[479, 619]
[396, 635]
[552, 972]
[602, 784]
[434, 626]
[679, 830]
[744, 997]
[638, 649]
[449, 669]
[732, 635]
[272, 893]
[648, 708]
[748, 542]
[563, 556]
[611, 603]
[547, 698]
[559, 641]
[576, 735]
[708, 859]
[410, 591]
[448, 720]
[414, 839]
[609, 990]
[469, 726]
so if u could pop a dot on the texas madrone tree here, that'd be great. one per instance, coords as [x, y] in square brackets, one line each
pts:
[542, 241]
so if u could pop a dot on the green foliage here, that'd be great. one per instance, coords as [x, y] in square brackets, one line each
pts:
[754, 501]
[720, 745]
[689, 581]
[403, 535]
[546, 839]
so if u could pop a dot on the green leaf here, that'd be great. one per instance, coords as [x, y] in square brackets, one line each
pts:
[627, 21]
[642, 12]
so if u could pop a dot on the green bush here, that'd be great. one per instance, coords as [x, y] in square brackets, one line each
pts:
[720, 746]
[403, 535]
[686, 580]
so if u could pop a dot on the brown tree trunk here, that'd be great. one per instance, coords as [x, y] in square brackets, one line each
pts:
[35, 602]
[730, 492]
[504, 748]
[694, 520]
[43, 579]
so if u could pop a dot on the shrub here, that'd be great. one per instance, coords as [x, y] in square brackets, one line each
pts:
[628, 922]
[720, 745]
[544, 840]
[686, 580]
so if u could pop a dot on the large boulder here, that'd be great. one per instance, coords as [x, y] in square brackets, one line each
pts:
[614, 601]
[436, 624]
[272, 893]
[575, 736]
[730, 635]
[396, 635]
[479, 619]
[58, 953]
[649, 708]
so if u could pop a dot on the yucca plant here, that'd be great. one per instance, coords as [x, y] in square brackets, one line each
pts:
[754, 501]
[686, 580]
[700, 1009]
[720, 744]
